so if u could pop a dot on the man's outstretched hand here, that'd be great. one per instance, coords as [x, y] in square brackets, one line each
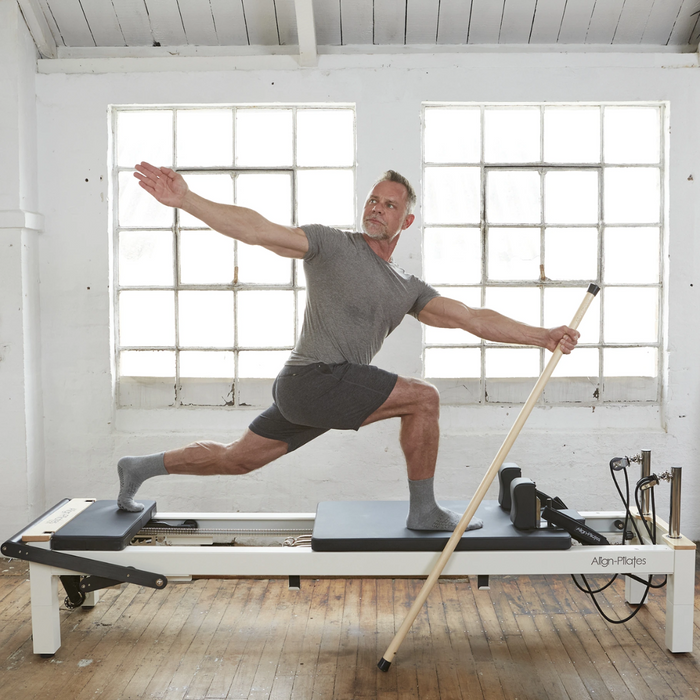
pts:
[564, 337]
[167, 186]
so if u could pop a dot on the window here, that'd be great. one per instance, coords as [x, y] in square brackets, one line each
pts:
[201, 319]
[524, 206]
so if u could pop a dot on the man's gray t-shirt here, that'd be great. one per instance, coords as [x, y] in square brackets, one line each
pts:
[354, 299]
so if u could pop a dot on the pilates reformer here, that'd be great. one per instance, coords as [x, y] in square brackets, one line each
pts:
[89, 545]
[366, 539]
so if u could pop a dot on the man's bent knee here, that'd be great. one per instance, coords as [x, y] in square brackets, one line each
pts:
[423, 394]
[410, 397]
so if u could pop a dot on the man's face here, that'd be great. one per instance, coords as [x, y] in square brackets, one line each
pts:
[385, 211]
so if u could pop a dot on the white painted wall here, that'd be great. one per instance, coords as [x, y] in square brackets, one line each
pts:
[565, 450]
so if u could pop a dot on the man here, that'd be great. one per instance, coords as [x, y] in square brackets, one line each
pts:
[356, 297]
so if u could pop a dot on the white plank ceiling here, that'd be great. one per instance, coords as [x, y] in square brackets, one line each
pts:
[623, 24]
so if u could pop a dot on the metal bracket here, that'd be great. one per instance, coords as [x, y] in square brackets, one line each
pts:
[96, 583]
[102, 570]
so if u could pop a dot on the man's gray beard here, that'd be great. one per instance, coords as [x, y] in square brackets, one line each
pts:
[375, 236]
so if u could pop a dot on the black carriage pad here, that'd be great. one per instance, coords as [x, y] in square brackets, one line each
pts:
[371, 526]
[102, 526]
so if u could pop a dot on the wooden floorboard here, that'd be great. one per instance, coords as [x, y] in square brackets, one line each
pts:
[529, 637]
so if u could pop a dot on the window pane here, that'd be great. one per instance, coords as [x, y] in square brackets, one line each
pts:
[206, 319]
[269, 194]
[571, 253]
[256, 265]
[512, 135]
[206, 257]
[630, 362]
[452, 363]
[632, 134]
[509, 362]
[218, 188]
[325, 137]
[204, 137]
[571, 197]
[631, 315]
[147, 363]
[522, 304]
[146, 135]
[265, 319]
[632, 196]
[137, 208]
[326, 197]
[572, 134]
[452, 195]
[147, 318]
[560, 306]
[452, 255]
[301, 275]
[631, 255]
[582, 362]
[212, 365]
[258, 364]
[514, 254]
[471, 296]
[513, 197]
[145, 258]
[264, 137]
[452, 135]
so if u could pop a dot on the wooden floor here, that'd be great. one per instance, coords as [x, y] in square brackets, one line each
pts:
[530, 638]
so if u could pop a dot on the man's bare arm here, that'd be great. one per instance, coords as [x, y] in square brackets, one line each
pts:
[243, 224]
[443, 312]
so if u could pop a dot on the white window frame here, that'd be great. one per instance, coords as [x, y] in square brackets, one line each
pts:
[153, 392]
[591, 391]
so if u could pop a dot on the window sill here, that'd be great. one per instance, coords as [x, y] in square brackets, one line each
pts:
[499, 418]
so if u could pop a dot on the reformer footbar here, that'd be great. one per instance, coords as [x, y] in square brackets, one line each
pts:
[385, 662]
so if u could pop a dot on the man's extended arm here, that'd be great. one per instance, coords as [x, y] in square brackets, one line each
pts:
[246, 225]
[490, 325]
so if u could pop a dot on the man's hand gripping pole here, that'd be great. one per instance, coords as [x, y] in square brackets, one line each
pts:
[478, 496]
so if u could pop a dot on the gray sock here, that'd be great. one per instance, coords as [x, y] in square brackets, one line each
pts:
[425, 514]
[133, 471]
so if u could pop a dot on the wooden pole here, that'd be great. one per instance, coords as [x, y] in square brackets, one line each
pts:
[478, 496]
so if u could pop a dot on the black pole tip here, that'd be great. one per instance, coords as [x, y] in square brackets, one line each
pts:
[383, 664]
[593, 289]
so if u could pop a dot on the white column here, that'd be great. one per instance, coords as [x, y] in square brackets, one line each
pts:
[21, 413]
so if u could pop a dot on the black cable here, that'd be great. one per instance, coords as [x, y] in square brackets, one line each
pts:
[609, 619]
[640, 484]
[651, 585]
[650, 482]
[625, 503]
[589, 591]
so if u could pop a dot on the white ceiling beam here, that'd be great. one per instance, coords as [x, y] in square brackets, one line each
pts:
[38, 28]
[306, 30]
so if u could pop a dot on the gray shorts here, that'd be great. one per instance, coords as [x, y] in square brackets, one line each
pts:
[311, 399]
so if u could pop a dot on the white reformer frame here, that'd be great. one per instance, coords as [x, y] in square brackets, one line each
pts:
[187, 556]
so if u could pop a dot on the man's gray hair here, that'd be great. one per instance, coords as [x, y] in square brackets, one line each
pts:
[393, 176]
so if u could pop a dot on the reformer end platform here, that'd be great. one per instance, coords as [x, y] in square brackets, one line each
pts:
[383, 664]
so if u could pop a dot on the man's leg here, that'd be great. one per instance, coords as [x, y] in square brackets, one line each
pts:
[201, 458]
[417, 404]
[249, 453]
